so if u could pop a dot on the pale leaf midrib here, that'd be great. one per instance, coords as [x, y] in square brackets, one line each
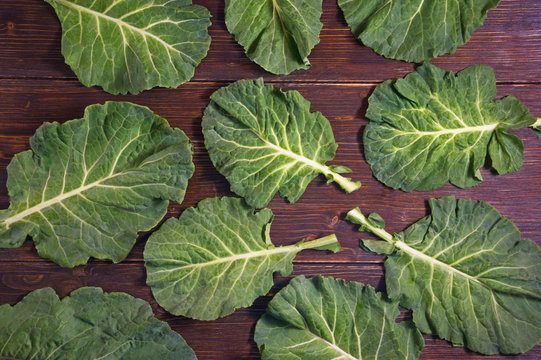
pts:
[422, 256]
[331, 345]
[119, 22]
[411, 251]
[55, 200]
[455, 131]
[253, 254]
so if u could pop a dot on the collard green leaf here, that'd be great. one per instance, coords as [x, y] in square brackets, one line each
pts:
[326, 318]
[218, 257]
[415, 30]
[432, 127]
[89, 185]
[264, 140]
[278, 35]
[467, 275]
[134, 45]
[88, 324]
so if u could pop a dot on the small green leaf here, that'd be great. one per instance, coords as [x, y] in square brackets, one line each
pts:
[131, 46]
[264, 140]
[326, 318]
[377, 247]
[218, 257]
[467, 275]
[432, 127]
[278, 35]
[414, 30]
[89, 185]
[87, 325]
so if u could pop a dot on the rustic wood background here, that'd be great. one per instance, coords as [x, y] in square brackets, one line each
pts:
[37, 86]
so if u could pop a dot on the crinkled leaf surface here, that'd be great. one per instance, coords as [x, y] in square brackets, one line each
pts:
[218, 257]
[326, 318]
[467, 275]
[278, 35]
[88, 324]
[432, 127]
[89, 185]
[133, 45]
[264, 140]
[415, 30]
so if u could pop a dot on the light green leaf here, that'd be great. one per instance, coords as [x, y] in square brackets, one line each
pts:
[326, 318]
[414, 30]
[89, 185]
[264, 140]
[432, 127]
[131, 46]
[278, 35]
[467, 275]
[87, 325]
[218, 257]
[535, 128]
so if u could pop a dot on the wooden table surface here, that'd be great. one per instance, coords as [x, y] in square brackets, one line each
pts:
[37, 86]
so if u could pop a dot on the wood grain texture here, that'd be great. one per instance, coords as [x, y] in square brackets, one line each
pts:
[36, 86]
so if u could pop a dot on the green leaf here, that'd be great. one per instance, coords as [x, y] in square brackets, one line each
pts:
[264, 140]
[88, 324]
[218, 257]
[414, 30]
[89, 185]
[326, 318]
[432, 127]
[131, 46]
[467, 275]
[278, 35]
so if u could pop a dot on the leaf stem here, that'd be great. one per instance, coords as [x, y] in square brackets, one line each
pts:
[323, 242]
[357, 216]
[344, 182]
[537, 123]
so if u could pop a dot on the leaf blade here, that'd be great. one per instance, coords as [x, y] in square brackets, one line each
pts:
[86, 325]
[483, 282]
[414, 30]
[278, 35]
[218, 257]
[87, 186]
[327, 318]
[161, 42]
[432, 127]
[264, 140]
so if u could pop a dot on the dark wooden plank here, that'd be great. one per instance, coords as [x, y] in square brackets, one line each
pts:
[36, 86]
[510, 41]
[227, 338]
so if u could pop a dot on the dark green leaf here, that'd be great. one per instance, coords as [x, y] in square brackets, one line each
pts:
[89, 185]
[218, 257]
[414, 30]
[326, 318]
[467, 275]
[131, 46]
[278, 35]
[432, 127]
[87, 325]
[264, 140]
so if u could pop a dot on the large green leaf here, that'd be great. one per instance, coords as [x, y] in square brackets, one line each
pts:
[326, 318]
[133, 45]
[264, 140]
[88, 324]
[467, 275]
[88, 185]
[415, 30]
[218, 257]
[278, 35]
[432, 127]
